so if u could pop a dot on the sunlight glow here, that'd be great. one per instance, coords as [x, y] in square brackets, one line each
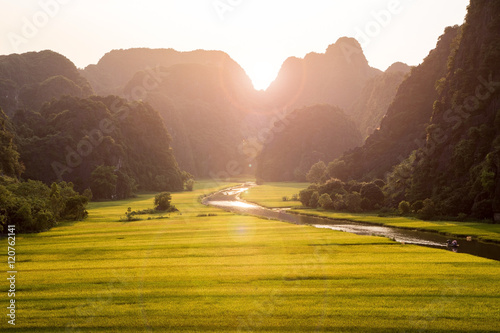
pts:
[262, 74]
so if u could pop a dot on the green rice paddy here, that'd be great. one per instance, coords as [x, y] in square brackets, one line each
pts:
[190, 272]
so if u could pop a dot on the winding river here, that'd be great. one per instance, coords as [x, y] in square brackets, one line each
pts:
[229, 199]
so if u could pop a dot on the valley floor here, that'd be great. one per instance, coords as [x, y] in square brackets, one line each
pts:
[190, 272]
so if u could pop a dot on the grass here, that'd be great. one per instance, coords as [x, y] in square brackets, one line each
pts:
[270, 195]
[230, 273]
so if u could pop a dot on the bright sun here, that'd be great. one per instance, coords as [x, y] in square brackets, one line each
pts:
[262, 74]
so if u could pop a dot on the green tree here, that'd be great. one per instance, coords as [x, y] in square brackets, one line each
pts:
[325, 201]
[32, 206]
[23, 218]
[313, 202]
[353, 202]
[373, 194]
[125, 185]
[339, 203]
[404, 207]
[316, 172]
[104, 181]
[9, 156]
[56, 200]
[332, 187]
[162, 201]
[417, 205]
[130, 214]
[189, 184]
[88, 193]
[428, 210]
[305, 196]
[187, 180]
[338, 169]
[44, 220]
[74, 209]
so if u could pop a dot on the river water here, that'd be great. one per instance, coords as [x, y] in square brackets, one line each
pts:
[229, 200]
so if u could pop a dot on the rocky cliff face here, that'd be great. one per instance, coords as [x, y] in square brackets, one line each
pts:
[335, 77]
[402, 129]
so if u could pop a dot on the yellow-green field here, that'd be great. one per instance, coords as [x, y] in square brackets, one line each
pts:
[271, 194]
[230, 273]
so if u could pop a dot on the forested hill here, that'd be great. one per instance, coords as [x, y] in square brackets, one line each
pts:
[30, 79]
[70, 138]
[304, 137]
[335, 77]
[403, 128]
[459, 166]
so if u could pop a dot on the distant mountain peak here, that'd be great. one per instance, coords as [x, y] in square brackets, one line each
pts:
[349, 49]
[335, 77]
[345, 42]
[398, 67]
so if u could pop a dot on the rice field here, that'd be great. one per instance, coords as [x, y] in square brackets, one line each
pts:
[191, 272]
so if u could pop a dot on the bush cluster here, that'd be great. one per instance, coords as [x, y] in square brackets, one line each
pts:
[337, 195]
[33, 206]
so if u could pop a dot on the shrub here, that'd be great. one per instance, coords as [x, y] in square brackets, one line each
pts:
[404, 207]
[284, 198]
[130, 214]
[32, 206]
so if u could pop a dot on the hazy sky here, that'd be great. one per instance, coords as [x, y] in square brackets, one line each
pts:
[258, 34]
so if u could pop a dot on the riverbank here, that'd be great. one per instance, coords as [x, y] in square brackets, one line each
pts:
[271, 195]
